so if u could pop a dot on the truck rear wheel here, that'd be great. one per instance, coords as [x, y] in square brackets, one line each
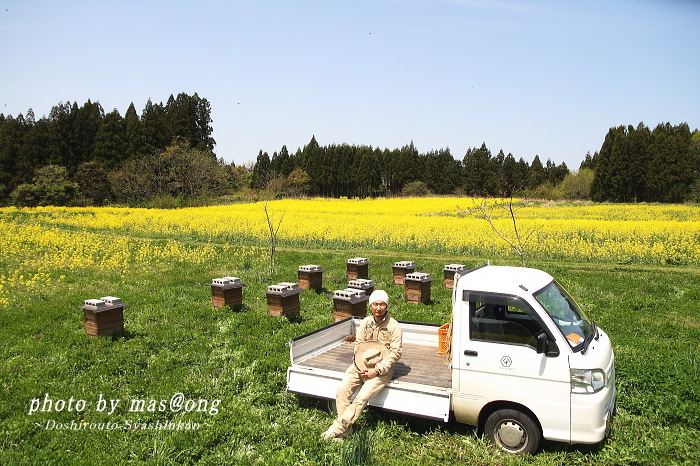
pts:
[513, 431]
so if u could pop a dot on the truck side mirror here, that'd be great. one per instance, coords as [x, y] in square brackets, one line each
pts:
[543, 346]
[541, 343]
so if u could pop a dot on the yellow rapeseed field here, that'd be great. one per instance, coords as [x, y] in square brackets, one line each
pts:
[36, 243]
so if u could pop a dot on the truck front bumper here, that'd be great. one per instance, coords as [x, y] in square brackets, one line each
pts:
[592, 415]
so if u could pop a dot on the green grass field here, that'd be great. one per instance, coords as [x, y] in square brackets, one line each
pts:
[175, 343]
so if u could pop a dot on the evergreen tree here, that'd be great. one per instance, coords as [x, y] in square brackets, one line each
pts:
[132, 132]
[153, 131]
[61, 134]
[672, 168]
[536, 175]
[33, 149]
[588, 161]
[110, 141]
[509, 176]
[478, 174]
[11, 135]
[261, 171]
[86, 124]
[442, 172]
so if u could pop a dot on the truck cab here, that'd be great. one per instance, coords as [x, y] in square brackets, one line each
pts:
[527, 363]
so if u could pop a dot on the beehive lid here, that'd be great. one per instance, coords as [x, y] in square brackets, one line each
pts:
[277, 288]
[111, 300]
[348, 293]
[232, 279]
[455, 267]
[361, 283]
[405, 264]
[94, 303]
[310, 268]
[358, 261]
[424, 277]
[289, 285]
[221, 281]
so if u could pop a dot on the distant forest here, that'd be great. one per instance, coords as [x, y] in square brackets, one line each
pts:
[164, 157]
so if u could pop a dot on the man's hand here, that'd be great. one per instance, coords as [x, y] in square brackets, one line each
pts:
[369, 373]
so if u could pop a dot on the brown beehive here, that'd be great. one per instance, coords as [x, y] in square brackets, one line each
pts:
[418, 287]
[449, 274]
[310, 277]
[401, 269]
[358, 267]
[283, 299]
[104, 316]
[349, 302]
[227, 291]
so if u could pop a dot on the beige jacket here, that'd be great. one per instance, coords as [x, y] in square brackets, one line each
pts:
[388, 331]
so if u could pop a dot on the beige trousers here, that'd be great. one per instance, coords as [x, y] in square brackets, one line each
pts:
[352, 381]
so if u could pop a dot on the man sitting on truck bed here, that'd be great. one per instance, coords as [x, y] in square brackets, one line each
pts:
[380, 326]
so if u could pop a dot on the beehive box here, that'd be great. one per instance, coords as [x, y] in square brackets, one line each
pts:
[363, 284]
[310, 277]
[417, 286]
[104, 316]
[349, 302]
[401, 269]
[449, 274]
[283, 299]
[357, 267]
[227, 291]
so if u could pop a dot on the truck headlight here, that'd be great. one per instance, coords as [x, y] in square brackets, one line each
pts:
[587, 381]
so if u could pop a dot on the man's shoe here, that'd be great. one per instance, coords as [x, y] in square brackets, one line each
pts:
[331, 435]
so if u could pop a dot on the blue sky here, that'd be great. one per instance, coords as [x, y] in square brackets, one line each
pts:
[545, 78]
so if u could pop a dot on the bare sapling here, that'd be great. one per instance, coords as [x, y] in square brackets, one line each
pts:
[273, 230]
[517, 240]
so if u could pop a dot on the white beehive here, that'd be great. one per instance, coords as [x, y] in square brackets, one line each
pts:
[289, 285]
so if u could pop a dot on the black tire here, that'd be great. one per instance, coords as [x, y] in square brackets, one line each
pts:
[513, 431]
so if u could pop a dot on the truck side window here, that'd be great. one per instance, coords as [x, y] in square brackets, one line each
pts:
[503, 320]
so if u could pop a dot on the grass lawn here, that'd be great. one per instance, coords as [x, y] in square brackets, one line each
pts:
[228, 368]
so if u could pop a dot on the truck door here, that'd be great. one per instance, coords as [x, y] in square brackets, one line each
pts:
[498, 361]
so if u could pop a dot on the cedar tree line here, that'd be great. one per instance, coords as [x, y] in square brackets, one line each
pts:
[84, 156]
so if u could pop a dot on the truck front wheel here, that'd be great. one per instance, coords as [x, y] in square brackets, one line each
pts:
[513, 431]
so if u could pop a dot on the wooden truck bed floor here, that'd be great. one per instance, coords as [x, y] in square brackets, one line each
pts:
[419, 364]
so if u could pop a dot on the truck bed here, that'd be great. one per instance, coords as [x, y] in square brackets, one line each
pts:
[422, 381]
[419, 364]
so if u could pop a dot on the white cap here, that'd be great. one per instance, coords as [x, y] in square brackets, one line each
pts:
[379, 295]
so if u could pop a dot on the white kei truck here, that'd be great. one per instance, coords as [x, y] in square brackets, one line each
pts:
[524, 363]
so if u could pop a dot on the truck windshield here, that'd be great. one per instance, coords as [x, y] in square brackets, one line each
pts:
[566, 314]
